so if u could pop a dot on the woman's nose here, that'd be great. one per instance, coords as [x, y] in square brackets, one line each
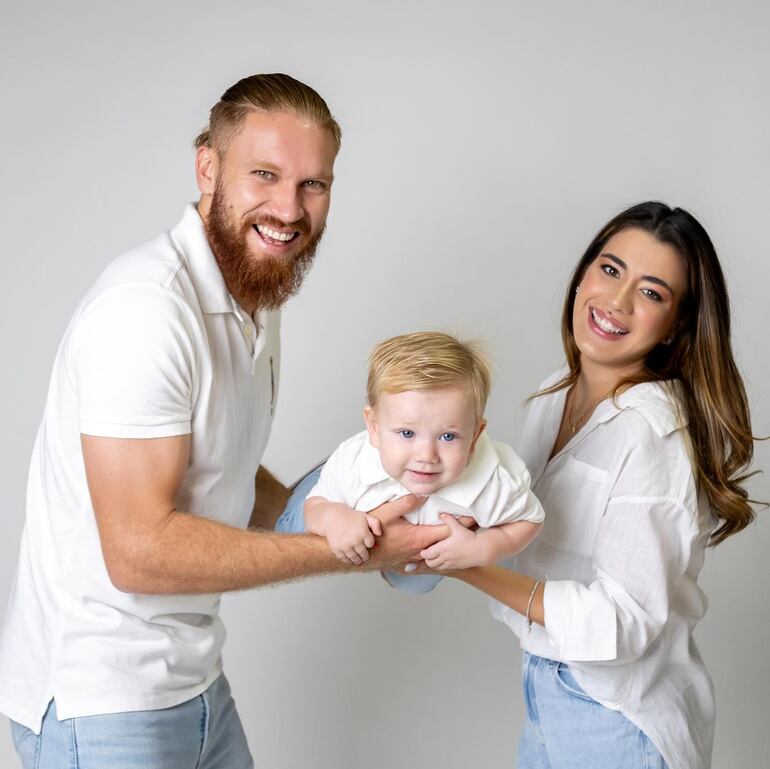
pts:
[621, 298]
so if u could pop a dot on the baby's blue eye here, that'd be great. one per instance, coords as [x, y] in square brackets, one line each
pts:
[448, 437]
[406, 433]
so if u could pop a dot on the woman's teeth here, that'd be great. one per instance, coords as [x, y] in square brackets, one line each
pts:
[606, 325]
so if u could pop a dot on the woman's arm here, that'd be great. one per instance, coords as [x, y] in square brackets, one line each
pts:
[508, 587]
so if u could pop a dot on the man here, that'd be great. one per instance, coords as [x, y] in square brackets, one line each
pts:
[142, 478]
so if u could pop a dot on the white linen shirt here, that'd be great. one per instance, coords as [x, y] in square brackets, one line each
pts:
[622, 545]
[494, 487]
[157, 348]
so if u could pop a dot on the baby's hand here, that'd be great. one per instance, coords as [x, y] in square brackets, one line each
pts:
[350, 534]
[460, 550]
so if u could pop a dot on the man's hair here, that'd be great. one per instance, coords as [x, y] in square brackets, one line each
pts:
[428, 360]
[266, 93]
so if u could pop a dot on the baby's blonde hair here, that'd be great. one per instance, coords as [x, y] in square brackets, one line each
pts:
[429, 360]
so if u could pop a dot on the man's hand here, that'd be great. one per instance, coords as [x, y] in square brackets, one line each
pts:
[402, 541]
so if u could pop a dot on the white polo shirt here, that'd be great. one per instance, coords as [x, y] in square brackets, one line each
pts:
[157, 348]
[493, 488]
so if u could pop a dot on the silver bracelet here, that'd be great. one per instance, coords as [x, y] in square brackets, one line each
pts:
[529, 605]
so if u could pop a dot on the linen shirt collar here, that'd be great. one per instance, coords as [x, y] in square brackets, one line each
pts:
[190, 238]
[462, 492]
[658, 402]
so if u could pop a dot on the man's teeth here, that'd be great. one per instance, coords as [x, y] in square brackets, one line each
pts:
[606, 325]
[273, 235]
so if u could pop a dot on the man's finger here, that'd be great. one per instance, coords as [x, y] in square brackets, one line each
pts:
[398, 508]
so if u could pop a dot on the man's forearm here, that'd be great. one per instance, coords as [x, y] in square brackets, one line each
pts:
[189, 554]
[197, 555]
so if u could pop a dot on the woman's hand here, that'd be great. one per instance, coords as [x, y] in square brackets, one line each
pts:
[460, 550]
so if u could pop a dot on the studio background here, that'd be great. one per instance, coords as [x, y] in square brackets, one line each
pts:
[484, 144]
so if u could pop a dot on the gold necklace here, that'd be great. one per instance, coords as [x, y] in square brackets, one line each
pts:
[573, 426]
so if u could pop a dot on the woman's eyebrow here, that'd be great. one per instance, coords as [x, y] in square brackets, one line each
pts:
[648, 278]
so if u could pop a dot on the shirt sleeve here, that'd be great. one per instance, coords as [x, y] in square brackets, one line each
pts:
[641, 550]
[132, 361]
[507, 496]
[334, 482]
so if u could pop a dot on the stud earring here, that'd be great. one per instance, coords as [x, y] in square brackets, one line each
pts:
[577, 288]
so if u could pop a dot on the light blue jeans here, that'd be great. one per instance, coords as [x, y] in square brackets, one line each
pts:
[202, 733]
[566, 729]
[292, 521]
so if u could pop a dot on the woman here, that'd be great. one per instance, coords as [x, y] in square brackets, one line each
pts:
[638, 453]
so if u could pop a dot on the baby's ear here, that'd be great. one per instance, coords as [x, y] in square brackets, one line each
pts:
[479, 430]
[370, 415]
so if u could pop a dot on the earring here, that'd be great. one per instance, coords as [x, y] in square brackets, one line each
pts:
[669, 340]
[577, 288]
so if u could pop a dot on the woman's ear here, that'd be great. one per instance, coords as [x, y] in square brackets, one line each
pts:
[370, 415]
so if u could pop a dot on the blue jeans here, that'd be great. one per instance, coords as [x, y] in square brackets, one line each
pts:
[292, 521]
[566, 729]
[202, 733]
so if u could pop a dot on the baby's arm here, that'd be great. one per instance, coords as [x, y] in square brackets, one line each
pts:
[463, 548]
[350, 533]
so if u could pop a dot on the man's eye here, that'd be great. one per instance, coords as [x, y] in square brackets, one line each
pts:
[262, 173]
[448, 437]
[406, 433]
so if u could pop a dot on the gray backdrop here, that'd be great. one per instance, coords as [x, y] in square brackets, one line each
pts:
[484, 144]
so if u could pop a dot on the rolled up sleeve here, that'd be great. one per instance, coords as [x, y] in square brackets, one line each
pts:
[642, 548]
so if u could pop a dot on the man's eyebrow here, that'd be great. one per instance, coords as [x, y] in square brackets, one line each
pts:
[648, 278]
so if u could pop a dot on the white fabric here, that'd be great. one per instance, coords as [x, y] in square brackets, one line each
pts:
[156, 348]
[622, 545]
[494, 488]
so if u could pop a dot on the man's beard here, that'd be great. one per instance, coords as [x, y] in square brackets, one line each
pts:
[265, 282]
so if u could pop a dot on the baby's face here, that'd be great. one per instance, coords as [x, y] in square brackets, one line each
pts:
[425, 437]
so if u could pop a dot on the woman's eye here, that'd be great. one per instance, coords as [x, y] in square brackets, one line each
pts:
[609, 270]
[448, 437]
[406, 433]
[654, 295]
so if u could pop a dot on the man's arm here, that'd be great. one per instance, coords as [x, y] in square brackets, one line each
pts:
[151, 547]
[270, 498]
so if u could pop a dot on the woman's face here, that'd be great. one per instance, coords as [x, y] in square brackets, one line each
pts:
[627, 301]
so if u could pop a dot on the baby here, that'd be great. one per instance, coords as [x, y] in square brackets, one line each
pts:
[426, 396]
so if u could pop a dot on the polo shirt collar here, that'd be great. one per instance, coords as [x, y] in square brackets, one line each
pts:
[464, 491]
[191, 240]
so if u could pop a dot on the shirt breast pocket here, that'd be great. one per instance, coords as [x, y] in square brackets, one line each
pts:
[574, 499]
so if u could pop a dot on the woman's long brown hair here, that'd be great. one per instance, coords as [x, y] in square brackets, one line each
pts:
[700, 357]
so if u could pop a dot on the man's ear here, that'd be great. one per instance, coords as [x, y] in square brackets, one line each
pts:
[479, 430]
[206, 169]
[370, 415]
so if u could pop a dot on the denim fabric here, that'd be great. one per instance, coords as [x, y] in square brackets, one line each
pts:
[566, 729]
[292, 521]
[202, 733]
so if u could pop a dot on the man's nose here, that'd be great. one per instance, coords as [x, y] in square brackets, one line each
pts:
[286, 203]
